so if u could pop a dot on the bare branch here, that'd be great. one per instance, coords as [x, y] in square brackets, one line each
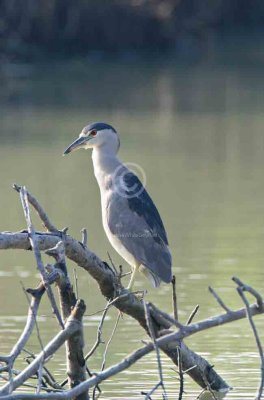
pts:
[33, 386]
[20, 344]
[40, 375]
[58, 253]
[166, 318]
[35, 292]
[35, 204]
[76, 282]
[84, 237]
[76, 369]
[181, 374]
[218, 299]
[99, 333]
[130, 305]
[174, 298]
[193, 313]
[113, 265]
[47, 376]
[113, 370]
[250, 290]
[148, 394]
[109, 341]
[35, 247]
[72, 326]
[125, 301]
[183, 332]
[152, 335]
[255, 332]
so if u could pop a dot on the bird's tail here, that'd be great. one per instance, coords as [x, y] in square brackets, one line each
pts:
[154, 279]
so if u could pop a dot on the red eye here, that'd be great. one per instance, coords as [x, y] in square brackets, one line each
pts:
[93, 132]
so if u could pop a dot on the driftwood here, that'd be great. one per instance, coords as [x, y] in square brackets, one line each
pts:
[158, 324]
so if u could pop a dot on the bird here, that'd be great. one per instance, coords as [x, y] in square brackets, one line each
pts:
[130, 219]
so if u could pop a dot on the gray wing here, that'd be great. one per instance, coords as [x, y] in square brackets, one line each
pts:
[134, 219]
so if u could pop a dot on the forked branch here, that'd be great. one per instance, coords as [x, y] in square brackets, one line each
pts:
[163, 324]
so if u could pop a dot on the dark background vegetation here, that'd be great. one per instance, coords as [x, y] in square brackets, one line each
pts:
[35, 29]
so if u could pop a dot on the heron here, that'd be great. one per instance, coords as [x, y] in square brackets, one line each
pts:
[130, 219]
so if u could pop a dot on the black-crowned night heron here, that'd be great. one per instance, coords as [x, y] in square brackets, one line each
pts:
[131, 221]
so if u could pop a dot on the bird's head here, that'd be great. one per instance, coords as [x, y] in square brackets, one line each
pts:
[97, 135]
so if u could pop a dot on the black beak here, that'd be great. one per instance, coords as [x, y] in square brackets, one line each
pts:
[77, 144]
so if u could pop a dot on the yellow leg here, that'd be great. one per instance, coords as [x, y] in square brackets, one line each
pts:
[132, 279]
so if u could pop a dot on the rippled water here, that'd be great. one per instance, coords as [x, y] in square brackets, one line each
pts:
[197, 132]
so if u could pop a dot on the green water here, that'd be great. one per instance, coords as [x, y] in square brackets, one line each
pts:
[197, 132]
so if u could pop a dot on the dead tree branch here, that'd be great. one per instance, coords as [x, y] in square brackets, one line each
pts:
[192, 315]
[47, 376]
[36, 205]
[218, 299]
[99, 334]
[34, 245]
[72, 326]
[251, 290]
[84, 236]
[76, 369]
[109, 341]
[181, 374]
[169, 338]
[31, 320]
[241, 288]
[166, 338]
[174, 298]
[156, 347]
[127, 303]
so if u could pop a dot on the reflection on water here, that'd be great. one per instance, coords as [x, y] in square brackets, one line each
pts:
[197, 133]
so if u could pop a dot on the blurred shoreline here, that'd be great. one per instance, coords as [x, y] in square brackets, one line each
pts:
[126, 30]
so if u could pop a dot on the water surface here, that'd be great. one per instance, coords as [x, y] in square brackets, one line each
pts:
[197, 132]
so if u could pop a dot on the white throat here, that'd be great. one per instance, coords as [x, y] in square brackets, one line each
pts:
[105, 163]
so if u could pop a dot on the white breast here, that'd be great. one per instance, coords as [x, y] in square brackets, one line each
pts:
[104, 170]
[113, 239]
